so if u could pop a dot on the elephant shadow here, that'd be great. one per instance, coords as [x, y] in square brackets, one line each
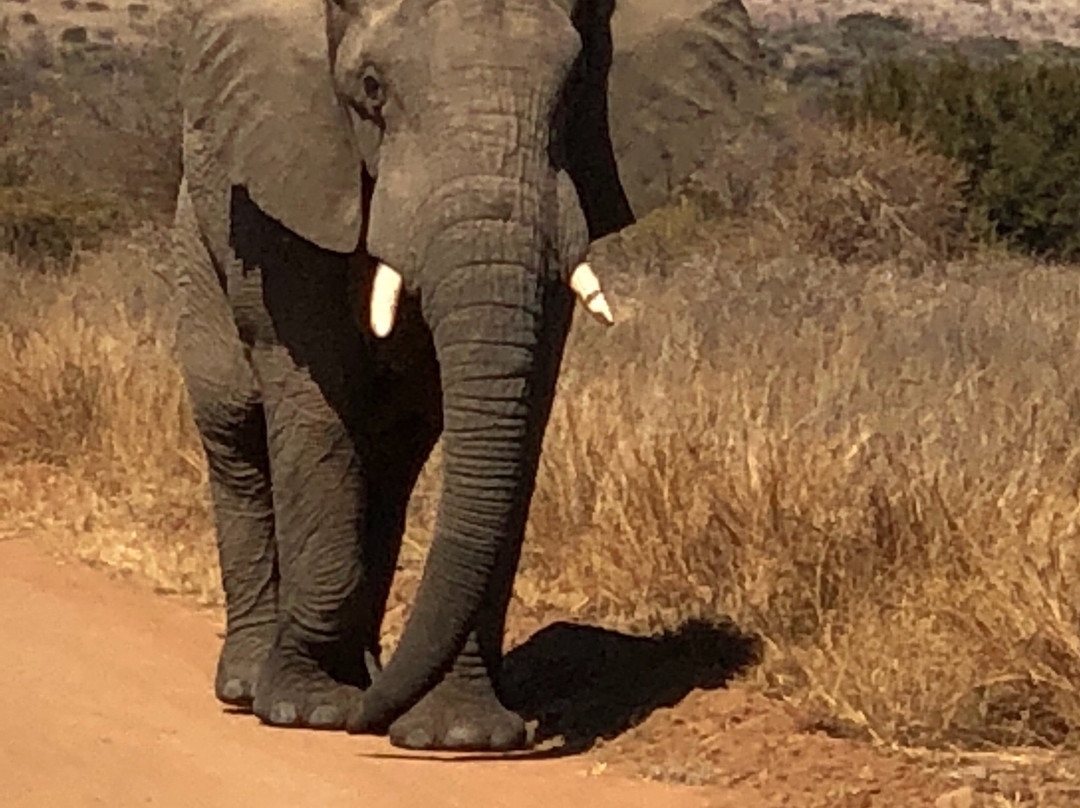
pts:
[587, 683]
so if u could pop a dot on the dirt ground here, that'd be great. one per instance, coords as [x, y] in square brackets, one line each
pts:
[107, 701]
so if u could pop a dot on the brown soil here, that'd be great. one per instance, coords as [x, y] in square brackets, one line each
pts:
[106, 700]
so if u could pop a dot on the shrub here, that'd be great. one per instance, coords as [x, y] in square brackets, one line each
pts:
[795, 183]
[1014, 126]
[102, 120]
[19, 78]
[821, 57]
[869, 195]
[25, 132]
[41, 227]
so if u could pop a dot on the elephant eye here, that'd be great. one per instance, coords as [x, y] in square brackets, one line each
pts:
[372, 87]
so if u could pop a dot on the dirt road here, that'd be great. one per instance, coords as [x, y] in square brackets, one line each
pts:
[105, 699]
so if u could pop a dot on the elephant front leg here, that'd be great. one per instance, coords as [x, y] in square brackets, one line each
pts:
[464, 712]
[316, 665]
[234, 440]
[225, 400]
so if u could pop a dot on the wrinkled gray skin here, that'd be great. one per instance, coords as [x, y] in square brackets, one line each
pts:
[468, 144]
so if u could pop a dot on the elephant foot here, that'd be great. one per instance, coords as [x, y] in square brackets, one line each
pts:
[462, 715]
[294, 690]
[241, 659]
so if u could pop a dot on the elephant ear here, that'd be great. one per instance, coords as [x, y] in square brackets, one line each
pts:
[257, 91]
[659, 86]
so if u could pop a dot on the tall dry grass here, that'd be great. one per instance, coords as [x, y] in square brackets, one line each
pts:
[877, 472]
[98, 454]
[873, 465]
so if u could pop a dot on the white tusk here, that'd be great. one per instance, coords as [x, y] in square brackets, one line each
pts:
[385, 292]
[587, 286]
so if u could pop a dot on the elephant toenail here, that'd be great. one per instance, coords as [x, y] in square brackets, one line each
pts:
[507, 738]
[418, 738]
[233, 690]
[283, 713]
[326, 716]
[463, 736]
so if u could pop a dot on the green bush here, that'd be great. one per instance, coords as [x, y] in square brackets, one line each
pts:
[40, 227]
[820, 58]
[1014, 126]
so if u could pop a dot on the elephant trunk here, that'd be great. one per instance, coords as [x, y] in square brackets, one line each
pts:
[486, 322]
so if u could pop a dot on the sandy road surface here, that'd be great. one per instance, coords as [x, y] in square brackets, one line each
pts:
[105, 700]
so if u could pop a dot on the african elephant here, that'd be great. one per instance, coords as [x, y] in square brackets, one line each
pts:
[383, 205]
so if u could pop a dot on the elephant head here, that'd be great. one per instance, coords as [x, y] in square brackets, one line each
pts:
[477, 147]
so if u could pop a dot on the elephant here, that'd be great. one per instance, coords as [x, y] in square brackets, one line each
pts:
[380, 233]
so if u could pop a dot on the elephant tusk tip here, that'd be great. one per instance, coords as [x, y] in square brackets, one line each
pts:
[381, 328]
[385, 293]
[601, 311]
[587, 287]
[382, 320]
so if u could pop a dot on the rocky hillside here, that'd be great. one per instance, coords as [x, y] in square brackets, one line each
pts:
[952, 19]
[87, 23]
[101, 22]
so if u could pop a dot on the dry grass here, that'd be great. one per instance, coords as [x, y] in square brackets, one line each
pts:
[98, 455]
[874, 466]
[875, 471]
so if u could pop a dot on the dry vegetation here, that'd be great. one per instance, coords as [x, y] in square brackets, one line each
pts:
[824, 415]
[872, 465]
[1019, 19]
